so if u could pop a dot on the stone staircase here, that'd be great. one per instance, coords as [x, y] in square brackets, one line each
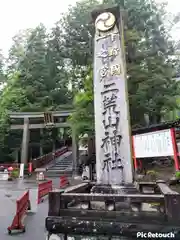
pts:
[61, 166]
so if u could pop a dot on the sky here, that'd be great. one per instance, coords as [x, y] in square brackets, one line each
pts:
[21, 14]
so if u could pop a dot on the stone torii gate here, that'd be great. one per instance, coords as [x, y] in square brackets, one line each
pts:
[48, 122]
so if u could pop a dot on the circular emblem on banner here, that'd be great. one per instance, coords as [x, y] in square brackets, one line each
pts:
[105, 21]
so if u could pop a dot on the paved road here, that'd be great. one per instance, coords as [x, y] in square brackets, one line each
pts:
[7, 208]
[9, 193]
[35, 223]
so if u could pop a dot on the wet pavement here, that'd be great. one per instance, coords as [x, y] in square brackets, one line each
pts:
[18, 184]
[35, 220]
[35, 226]
[7, 208]
[10, 191]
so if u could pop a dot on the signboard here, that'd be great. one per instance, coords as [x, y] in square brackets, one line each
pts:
[48, 119]
[21, 173]
[153, 144]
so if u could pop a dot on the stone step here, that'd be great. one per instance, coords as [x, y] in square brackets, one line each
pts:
[54, 170]
[64, 166]
[63, 160]
[56, 174]
[67, 160]
[57, 169]
[60, 167]
[57, 166]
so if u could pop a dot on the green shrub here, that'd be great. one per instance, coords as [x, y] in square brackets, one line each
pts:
[15, 173]
[151, 172]
[177, 174]
[152, 175]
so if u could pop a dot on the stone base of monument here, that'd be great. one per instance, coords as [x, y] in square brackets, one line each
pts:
[114, 189]
[90, 209]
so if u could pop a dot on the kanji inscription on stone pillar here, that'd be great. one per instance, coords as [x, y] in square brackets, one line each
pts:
[113, 140]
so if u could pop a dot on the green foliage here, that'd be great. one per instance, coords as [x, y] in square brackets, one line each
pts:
[77, 30]
[2, 74]
[36, 81]
[152, 175]
[17, 50]
[83, 117]
[177, 174]
[149, 50]
[52, 71]
[15, 173]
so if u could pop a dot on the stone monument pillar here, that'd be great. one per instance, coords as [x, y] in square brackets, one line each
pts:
[112, 126]
[25, 142]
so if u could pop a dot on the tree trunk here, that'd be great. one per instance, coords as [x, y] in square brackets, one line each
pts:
[155, 118]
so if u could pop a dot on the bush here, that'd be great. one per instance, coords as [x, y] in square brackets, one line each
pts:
[177, 174]
[15, 173]
[152, 174]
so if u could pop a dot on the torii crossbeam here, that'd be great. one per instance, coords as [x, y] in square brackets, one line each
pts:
[47, 120]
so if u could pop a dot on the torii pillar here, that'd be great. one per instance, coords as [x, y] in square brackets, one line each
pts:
[75, 154]
[25, 142]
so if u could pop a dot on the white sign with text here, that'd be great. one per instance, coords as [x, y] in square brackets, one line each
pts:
[153, 144]
[21, 172]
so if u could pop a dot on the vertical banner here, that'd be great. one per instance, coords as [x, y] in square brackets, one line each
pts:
[113, 141]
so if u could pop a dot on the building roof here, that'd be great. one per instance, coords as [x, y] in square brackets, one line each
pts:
[156, 127]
